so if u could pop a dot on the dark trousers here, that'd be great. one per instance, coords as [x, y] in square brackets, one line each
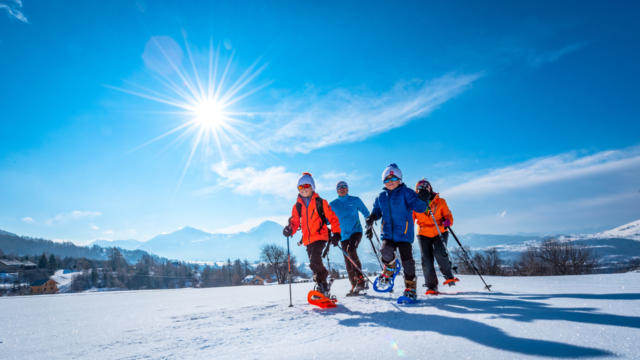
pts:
[388, 254]
[434, 247]
[350, 246]
[314, 250]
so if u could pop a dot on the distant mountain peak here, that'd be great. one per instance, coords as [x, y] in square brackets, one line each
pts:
[627, 231]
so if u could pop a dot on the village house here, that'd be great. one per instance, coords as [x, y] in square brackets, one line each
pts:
[48, 286]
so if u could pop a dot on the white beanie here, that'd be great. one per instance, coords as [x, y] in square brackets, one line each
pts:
[306, 178]
[392, 169]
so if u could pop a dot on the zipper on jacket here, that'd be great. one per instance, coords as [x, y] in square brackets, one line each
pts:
[390, 215]
[308, 230]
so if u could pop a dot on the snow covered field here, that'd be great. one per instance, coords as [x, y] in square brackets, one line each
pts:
[535, 317]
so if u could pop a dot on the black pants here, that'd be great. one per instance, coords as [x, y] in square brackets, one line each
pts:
[350, 246]
[434, 247]
[388, 254]
[314, 250]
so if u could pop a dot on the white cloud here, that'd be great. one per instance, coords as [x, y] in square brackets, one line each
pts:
[94, 227]
[312, 120]
[28, 220]
[546, 170]
[503, 213]
[73, 215]
[555, 55]
[14, 9]
[108, 232]
[274, 180]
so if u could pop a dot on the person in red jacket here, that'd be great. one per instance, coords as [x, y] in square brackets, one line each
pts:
[431, 244]
[312, 214]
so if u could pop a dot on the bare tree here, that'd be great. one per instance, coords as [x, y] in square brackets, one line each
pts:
[555, 257]
[276, 257]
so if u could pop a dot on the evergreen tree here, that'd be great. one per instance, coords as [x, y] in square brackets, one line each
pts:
[43, 263]
[53, 264]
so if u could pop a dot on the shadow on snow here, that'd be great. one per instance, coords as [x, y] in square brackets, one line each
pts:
[517, 309]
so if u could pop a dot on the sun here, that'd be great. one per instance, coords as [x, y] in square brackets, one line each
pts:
[205, 97]
[209, 115]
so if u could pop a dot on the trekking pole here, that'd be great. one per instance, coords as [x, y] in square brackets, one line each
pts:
[325, 253]
[289, 269]
[346, 255]
[488, 287]
[374, 249]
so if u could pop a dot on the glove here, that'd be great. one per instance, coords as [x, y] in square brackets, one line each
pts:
[368, 232]
[335, 239]
[287, 231]
[424, 195]
[445, 222]
[369, 221]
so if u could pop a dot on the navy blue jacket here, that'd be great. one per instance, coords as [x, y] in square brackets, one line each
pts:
[396, 208]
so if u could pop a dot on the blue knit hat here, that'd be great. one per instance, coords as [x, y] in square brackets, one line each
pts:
[392, 169]
[341, 184]
[306, 178]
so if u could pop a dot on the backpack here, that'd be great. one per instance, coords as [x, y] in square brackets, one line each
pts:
[319, 208]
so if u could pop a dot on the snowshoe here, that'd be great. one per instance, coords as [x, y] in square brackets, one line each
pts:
[385, 282]
[451, 282]
[432, 292]
[321, 295]
[409, 297]
[319, 299]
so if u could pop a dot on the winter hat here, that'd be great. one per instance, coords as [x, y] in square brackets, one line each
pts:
[341, 184]
[306, 178]
[392, 169]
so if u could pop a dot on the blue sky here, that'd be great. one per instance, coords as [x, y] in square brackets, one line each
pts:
[523, 115]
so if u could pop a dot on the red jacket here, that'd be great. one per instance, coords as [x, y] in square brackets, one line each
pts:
[440, 210]
[310, 222]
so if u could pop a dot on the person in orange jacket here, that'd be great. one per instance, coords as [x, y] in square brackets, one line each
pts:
[312, 214]
[431, 243]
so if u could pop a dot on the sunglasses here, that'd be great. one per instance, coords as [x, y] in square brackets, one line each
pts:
[389, 179]
[304, 186]
[342, 187]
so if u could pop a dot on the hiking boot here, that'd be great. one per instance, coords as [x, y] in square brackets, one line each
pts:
[361, 284]
[410, 290]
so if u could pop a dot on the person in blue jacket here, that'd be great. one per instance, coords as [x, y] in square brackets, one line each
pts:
[346, 208]
[395, 205]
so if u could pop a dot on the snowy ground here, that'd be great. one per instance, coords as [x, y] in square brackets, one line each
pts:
[536, 317]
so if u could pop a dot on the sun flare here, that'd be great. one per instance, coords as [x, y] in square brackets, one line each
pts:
[205, 97]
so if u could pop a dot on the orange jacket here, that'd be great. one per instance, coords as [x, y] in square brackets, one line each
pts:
[440, 210]
[310, 222]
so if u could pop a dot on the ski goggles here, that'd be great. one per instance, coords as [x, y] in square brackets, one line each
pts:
[392, 178]
[304, 186]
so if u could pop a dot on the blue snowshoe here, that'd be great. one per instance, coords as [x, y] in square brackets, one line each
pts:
[384, 282]
[409, 296]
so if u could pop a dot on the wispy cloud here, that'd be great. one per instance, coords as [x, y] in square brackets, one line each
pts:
[545, 170]
[28, 220]
[14, 9]
[94, 227]
[73, 215]
[274, 180]
[555, 55]
[314, 120]
[252, 223]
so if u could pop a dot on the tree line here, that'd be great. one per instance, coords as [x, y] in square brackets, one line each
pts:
[550, 257]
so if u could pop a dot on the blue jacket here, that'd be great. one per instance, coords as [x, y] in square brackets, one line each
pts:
[396, 209]
[347, 207]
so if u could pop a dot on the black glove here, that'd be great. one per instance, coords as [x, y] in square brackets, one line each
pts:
[287, 231]
[368, 230]
[335, 239]
[369, 221]
[424, 195]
